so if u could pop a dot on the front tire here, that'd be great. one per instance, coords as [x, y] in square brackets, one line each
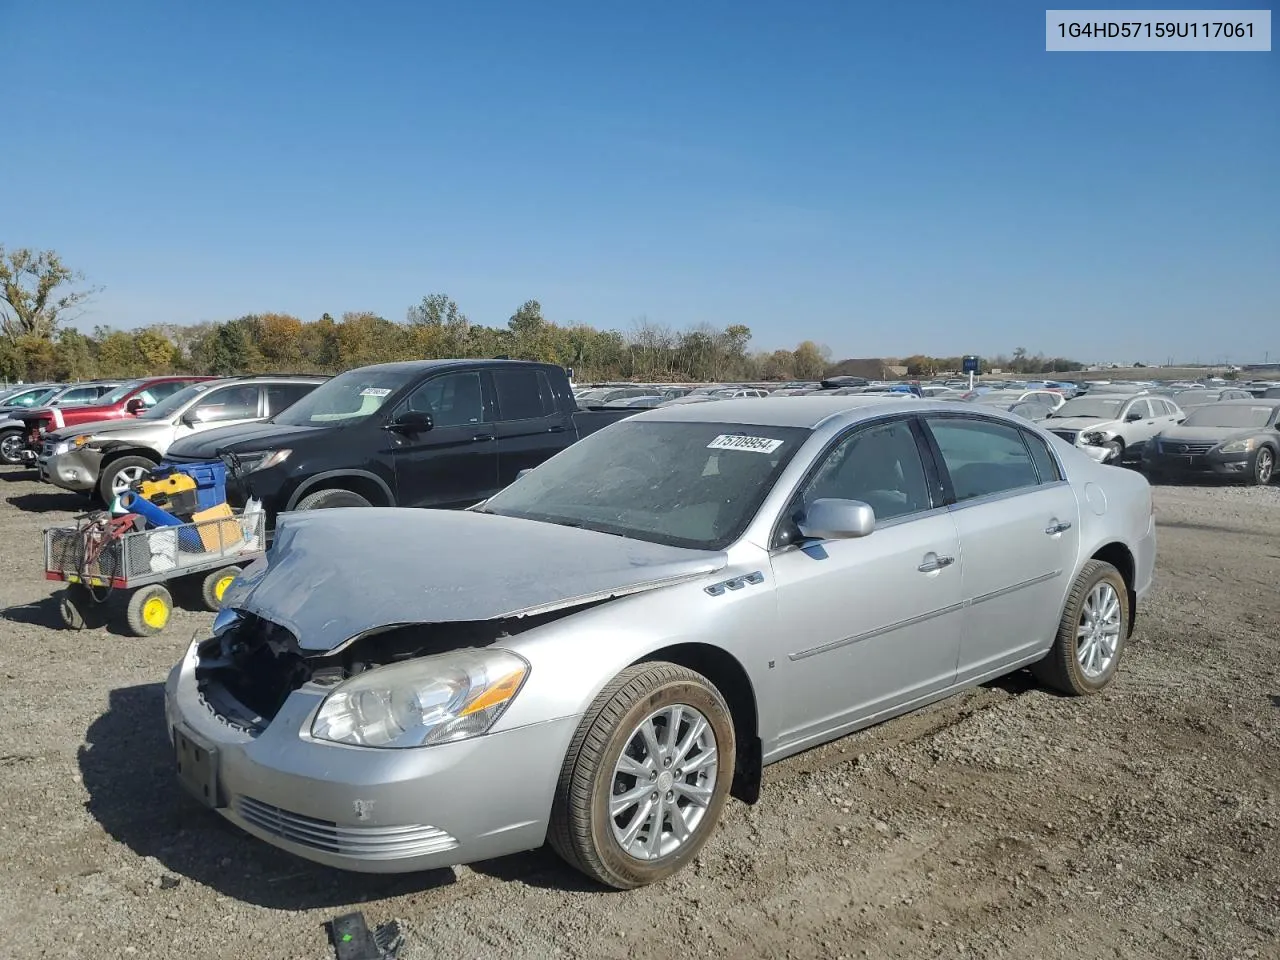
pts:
[1115, 452]
[11, 447]
[324, 499]
[646, 776]
[121, 474]
[1091, 634]
[1264, 466]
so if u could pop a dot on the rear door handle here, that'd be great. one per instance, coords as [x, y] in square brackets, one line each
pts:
[1057, 526]
[483, 436]
[933, 562]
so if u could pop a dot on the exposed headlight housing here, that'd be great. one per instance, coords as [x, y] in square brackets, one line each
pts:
[436, 699]
[1239, 446]
[1097, 438]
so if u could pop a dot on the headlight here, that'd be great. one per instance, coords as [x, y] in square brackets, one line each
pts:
[254, 461]
[437, 699]
[1239, 446]
[60, 448]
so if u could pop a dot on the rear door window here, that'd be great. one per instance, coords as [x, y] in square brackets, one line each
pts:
[983, 457]
[523, 394]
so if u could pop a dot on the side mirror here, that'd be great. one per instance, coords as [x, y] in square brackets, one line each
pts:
[831, 519]
[411, 422]
[191, 418]
[1132, 417]
[136, 405]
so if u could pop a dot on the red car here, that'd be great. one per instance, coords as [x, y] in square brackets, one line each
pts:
[127, 400]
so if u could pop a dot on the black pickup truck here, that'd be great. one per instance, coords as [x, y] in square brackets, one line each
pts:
[425, 433]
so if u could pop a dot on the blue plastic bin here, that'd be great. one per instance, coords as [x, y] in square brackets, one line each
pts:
[210, 477]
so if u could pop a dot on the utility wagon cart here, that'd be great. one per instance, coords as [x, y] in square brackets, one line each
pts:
[102, 557]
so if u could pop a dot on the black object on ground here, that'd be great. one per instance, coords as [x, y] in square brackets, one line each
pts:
[353, 940]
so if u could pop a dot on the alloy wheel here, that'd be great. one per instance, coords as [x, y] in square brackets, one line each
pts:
[663, 782]
[126, 478]
[1265, 466]
[11, 448]
[1098, 635]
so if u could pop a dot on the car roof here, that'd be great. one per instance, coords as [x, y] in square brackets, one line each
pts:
[806, 412]
[417, 366]
[1253, 402]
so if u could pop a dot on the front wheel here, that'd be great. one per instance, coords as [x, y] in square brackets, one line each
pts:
[1264, 466]
[1115, 452]
[11, 447]
[646, 776]
[121, 474]
[325, 499]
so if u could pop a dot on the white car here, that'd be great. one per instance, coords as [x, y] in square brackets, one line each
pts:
[1113, 427]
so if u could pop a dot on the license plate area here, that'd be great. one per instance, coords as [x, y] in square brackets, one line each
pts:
[197, 764]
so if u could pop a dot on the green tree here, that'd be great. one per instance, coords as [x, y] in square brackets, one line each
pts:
[155, 349]
[73, 355]
[810, 360]
[34, 294]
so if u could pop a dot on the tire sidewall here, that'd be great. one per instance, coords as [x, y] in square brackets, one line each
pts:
[5, 461]
[629, 871]
[1257, 460]
[109, 473]
[334, 493]
[1111, 575]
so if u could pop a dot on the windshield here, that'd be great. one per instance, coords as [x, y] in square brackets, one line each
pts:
[1097, 407]
[31, 398]
[683, 484]
[347, 397]
[171, 404]
[120, 392]
[1229, 415]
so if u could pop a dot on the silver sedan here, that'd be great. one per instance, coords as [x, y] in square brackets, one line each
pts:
[603, 653]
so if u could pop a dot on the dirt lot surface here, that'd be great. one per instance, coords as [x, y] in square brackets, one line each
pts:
[1004, 822]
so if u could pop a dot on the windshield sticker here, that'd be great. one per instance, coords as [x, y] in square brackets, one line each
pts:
[375, 391]
[727, 441]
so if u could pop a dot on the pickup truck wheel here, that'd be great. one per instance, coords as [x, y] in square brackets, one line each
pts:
[645, 777]
[323, 499]
[120, 474]
[1091, 634]
[11, 447]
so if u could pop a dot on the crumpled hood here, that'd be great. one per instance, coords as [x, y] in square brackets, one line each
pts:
[334, 574]
[1076, 423]
[1209, 434]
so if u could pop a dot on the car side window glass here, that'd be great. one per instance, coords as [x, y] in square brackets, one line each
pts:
[453, 399]
[229, 403]
[281, 396]
[78, 395]
[878, 465]
[983, 457]
[1046, 466]
[522, 394]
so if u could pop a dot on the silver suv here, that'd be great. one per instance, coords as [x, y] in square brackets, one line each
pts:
[107, 456]
[1118, 426]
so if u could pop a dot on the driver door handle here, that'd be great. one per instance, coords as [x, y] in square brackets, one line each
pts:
[1057, 526]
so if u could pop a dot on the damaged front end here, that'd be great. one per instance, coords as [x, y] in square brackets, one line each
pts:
[246, 671]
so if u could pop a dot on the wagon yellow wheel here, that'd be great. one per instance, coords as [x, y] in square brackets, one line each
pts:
[150, 609]
[216, 585]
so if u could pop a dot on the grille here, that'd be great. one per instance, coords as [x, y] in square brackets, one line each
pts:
[369, 843]
[1067, 435]
[1184, 449]
[47, 449]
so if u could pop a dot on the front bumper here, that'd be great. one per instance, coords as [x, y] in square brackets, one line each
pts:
[366, 809]
[74, 470]
[1169, 462]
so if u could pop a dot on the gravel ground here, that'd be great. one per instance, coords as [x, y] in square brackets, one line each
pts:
[1004, 822]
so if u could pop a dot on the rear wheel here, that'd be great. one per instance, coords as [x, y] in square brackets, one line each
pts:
[1091, 634]
[1264, 466]
[79, 610]
[121, 474]
[646, 776]
[324, 499]
[215, 585]
[11, 447]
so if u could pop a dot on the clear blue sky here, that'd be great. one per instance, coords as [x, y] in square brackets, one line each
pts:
[884, 179]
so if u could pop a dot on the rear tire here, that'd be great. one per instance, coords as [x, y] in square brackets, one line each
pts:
[609, 759]
[1086, 653]
[79, 610]
[11, 447]
[324, 499]
[119, 471]
[215, 585]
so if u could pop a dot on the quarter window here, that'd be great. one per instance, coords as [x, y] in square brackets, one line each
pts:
[983, 457]
[1046, 466]
[879, 465]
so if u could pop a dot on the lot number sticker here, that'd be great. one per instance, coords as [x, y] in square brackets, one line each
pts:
[728, 441]
[375, 391]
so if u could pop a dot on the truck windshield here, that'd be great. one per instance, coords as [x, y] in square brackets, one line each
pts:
[347, 397]
[683, 484]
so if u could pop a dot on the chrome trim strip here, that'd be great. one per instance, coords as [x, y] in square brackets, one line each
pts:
[1003, 591]
[913, 621]
[878, 631]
